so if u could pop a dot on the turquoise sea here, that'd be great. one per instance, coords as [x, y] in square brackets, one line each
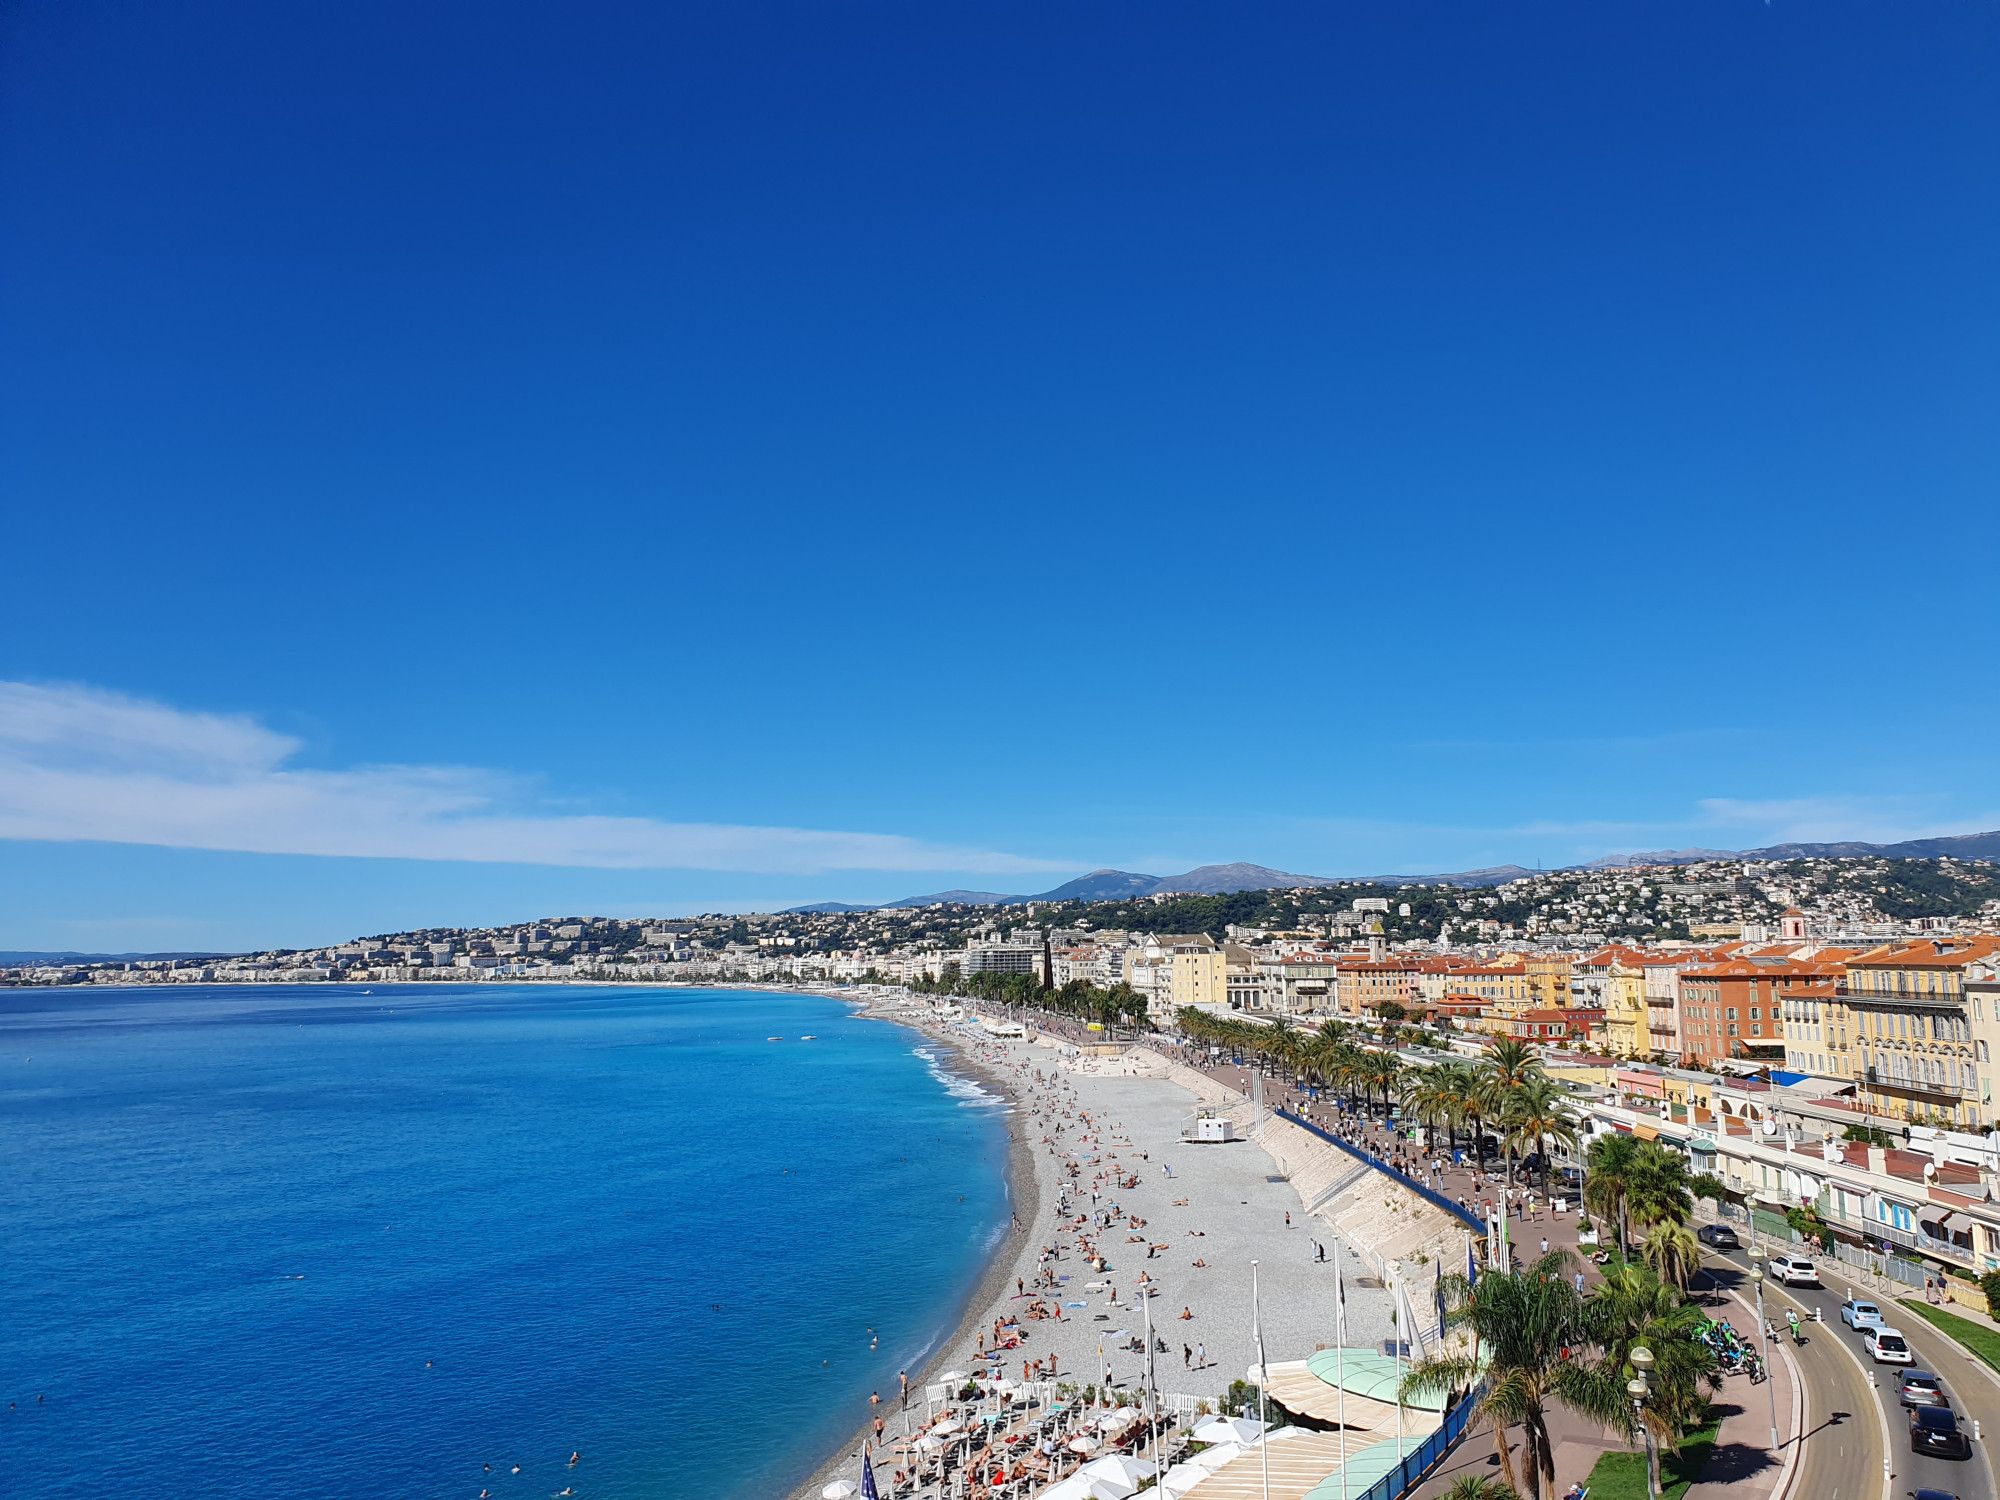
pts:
[314, 1241]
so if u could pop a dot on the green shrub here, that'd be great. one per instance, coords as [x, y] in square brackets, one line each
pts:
[1990, 1284]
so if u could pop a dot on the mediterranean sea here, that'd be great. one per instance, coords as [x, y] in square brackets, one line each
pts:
[308, 1240]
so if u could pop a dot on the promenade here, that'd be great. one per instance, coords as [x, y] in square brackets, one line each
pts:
[1743, 1461]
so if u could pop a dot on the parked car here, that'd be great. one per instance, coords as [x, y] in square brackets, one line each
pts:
[1887, 1346]
[1859, 1313]
[1721, 1236]
[1794, 1270]
[1921, 1388]
[1932, 1495]
[1933, 1429]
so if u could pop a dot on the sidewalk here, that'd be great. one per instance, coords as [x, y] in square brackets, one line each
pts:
[1741, 1462]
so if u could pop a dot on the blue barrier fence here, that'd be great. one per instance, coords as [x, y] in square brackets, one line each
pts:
[1429, 1194]
[1408, 1474]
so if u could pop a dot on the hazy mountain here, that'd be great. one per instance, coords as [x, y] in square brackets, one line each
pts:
[1103, 885]
[1220, 880]
[1953, 846]
[16, 958]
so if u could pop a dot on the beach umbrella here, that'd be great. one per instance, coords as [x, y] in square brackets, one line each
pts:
[1181, 1478]
[1120, 1468]
[949, 1424]
[1083, 1442]
[1240, 1430]
[840, 1489]
[1082, 1487]
[952, 1376]
[930, 1443]
[1122, 1416]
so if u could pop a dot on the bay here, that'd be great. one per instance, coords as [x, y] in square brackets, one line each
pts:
[314, 1241]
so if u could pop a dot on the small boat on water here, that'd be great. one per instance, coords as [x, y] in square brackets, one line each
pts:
[809, 1037]
[774, 1039]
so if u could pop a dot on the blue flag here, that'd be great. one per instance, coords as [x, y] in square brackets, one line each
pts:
[1471, 1265]
[867, 1478]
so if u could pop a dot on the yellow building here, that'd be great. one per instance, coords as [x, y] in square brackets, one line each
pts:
[1625, 1018]
[1199, 973]
[1548, 979]
[1915, 1055]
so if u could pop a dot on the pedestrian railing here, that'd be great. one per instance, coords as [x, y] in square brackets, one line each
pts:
[1427, 1455]
[1428, 1194]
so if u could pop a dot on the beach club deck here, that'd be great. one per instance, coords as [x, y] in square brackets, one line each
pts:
[1337, 1465]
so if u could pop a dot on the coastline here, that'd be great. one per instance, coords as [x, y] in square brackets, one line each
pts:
[1012, 1255]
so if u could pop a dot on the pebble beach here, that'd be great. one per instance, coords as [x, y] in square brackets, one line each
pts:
[1098, 1139]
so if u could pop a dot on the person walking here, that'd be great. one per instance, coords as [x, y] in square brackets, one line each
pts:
[1545, 1244]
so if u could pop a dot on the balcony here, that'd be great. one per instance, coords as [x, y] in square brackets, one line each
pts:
[1870, 1078]
[1926, 1000]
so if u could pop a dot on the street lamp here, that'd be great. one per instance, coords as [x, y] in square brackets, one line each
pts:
[1639, 1388]
[1750, 1202]
[1765, 1342]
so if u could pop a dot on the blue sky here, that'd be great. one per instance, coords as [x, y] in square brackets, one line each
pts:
[473, 462]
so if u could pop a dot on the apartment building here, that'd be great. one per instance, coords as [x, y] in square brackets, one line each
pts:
[1913, 1050]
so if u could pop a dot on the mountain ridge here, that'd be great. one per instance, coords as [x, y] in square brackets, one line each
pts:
[1227, 879]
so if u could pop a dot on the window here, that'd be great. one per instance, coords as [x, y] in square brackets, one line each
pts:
[1732, 1016]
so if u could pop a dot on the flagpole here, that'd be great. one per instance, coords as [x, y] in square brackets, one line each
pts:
[1152, 1380]
[1340, 1365]
[1396, 1301]
[1263, 1380]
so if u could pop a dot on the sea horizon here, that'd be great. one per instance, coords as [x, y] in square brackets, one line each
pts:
[327, 1239]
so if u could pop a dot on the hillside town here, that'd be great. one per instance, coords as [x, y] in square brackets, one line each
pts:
[1874, 975]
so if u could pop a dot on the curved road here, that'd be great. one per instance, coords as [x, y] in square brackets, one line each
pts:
[1848, 1397]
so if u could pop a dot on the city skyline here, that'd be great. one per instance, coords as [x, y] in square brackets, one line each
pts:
[469, 465]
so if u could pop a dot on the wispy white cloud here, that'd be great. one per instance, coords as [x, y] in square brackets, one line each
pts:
[81, 763]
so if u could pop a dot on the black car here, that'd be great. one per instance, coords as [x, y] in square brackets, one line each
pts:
[1933, 1429]
[1721, 1236]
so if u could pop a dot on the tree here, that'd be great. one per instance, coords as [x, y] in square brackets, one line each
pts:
[1673, 1252]
[1538, 1114]
[1478, 1487]
[1633, 1307]
[1656, 1189]
[1527, 1322]
[1607, 1167]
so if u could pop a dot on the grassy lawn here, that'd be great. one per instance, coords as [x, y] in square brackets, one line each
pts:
[1977, 1337]
[1622, 1476]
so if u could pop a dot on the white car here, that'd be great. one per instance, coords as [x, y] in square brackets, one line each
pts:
[1794, 1270]
[1886, 1346]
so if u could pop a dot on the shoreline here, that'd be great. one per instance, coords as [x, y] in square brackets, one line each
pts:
[986, 1295]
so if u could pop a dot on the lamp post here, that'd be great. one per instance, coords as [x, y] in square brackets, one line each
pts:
[1639, 1388]
[1763, 1340]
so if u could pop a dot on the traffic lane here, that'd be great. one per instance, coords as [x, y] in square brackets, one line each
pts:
[1840, 1457]
[1970, 1478]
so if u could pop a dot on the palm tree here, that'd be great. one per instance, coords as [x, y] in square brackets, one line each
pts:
[1633, 1307]
[1657, 1187]
[1673, 1252]
[1527, 1322]
[1540, 1114]
[1509, 1066]
[1424, 1095]
[1456, 1083]
[1607, 1168]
